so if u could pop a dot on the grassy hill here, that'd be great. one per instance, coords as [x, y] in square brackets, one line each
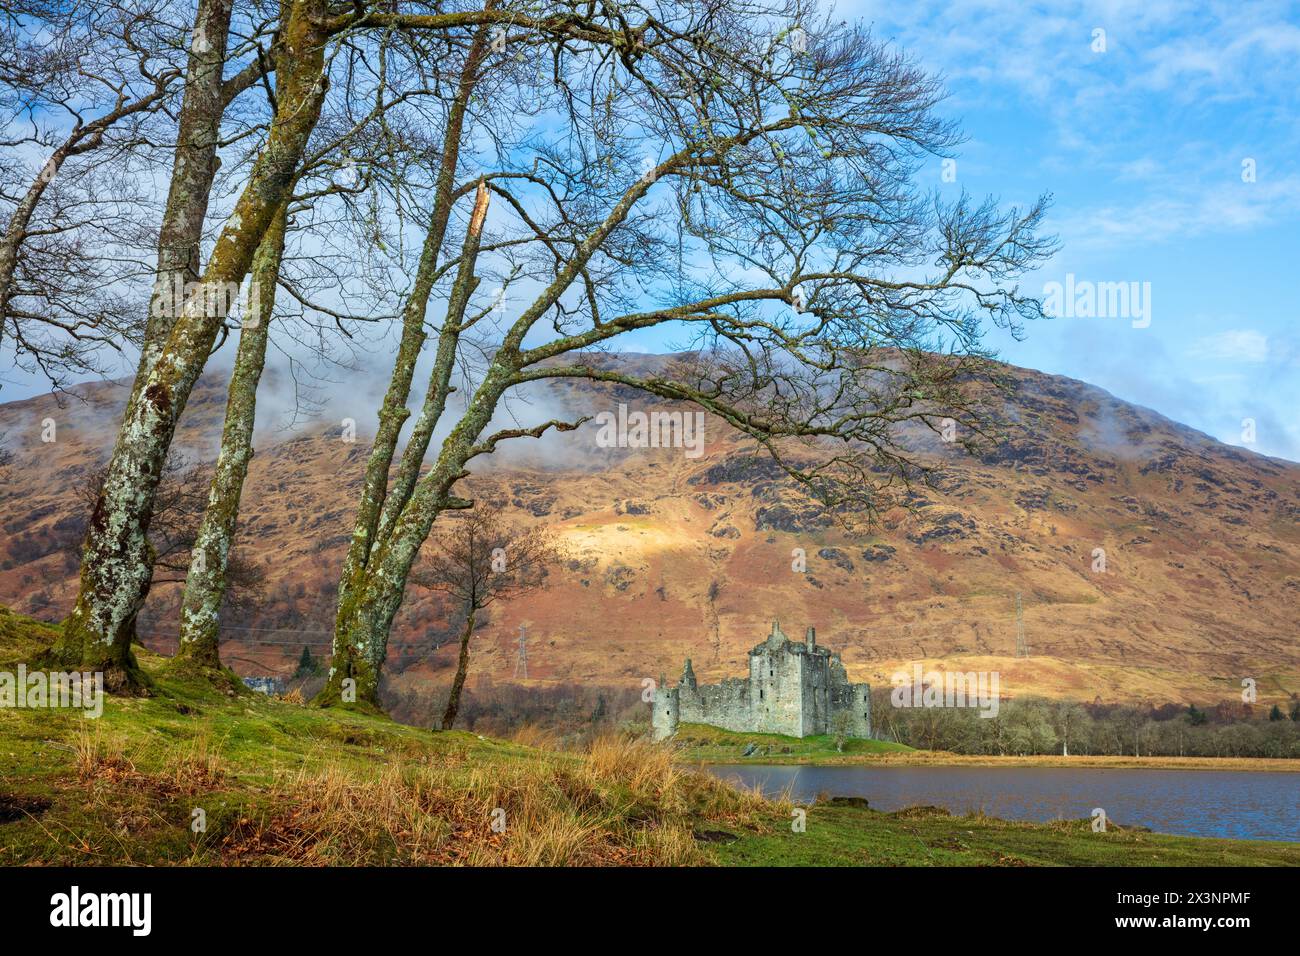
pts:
[281, 783]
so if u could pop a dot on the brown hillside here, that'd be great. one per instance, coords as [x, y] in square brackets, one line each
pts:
[677, 557]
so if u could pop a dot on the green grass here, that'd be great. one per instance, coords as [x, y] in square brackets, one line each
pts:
[837, 834]
[700, 743]
[281, 783]
[122, 788]
[284, 783]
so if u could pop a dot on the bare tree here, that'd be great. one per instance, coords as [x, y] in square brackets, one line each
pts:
[209, 569]
[114, 579]
[1068, 718]
[479, 560]
[81, 90]
[744, 174]
[365, 130]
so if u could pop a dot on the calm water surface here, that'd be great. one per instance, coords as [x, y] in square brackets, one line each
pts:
[1213, 803]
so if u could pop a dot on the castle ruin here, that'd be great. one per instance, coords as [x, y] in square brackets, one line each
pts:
[796, 689]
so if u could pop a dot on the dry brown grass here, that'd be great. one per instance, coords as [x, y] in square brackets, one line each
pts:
[624, 802]
[99, 754]
[190, 767]
[193, 767]
[532, 735]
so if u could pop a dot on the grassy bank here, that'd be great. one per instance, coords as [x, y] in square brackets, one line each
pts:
[277, 782]
[280, 783]
[701, 744]
[841, 834]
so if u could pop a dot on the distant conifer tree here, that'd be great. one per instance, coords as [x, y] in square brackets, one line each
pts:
[306, 663]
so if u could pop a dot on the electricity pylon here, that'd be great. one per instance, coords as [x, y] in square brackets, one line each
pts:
[521, 659]
[1022, 649]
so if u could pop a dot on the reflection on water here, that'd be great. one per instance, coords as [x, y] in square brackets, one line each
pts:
[1216, 803]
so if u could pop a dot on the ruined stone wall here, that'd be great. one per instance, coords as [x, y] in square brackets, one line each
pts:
[666, 714]
[816, 692]
[725, 705]
[796, 689]
[862, 712]
[853, 701]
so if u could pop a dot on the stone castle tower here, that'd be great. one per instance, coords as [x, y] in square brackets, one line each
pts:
[796, 689]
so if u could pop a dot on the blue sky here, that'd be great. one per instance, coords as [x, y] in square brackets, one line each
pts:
[1143, 147]
[1142, 144]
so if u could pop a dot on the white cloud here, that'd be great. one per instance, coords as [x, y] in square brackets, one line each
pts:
[1234, 345]
[1184, 211]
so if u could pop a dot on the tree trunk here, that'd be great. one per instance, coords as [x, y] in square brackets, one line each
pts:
[117, 564]
[444, 363]
[462, 668]
[393, 413]
[363, 620]
[112, 618]
[194, 168]
[205, 583]
[375, 570]
[370, 591]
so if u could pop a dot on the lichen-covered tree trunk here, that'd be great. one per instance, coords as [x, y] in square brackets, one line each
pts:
[194, 168]
[371, 592]
[205, 583]
[394, 412]
[444, 362]
[117, 562]
[462, 668]
[363, 662]
[363, 621]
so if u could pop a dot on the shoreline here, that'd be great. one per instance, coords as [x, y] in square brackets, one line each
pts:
[1046, 761]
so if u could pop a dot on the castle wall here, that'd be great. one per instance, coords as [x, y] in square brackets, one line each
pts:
[816, 694]
[725, 705]
[862, 712]
[795, 689]
[666, 713]
[776, 678]
[851, 710]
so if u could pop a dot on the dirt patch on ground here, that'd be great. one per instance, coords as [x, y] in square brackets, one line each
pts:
[14, 807]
